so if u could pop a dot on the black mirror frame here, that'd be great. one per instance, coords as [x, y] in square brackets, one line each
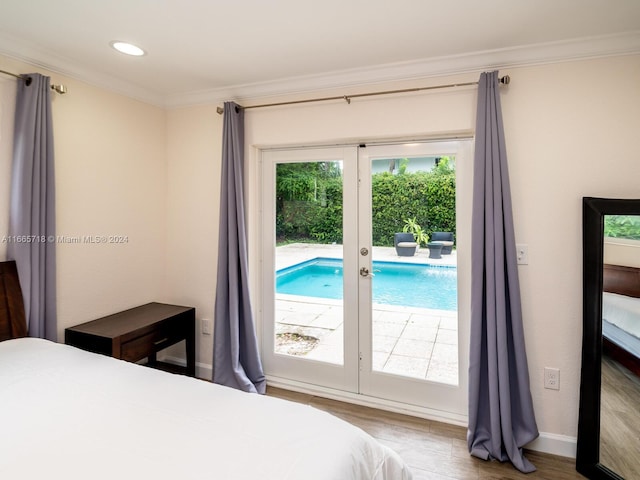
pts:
[588, 448]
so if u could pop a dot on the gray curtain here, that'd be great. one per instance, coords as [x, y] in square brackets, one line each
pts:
[501, 417]
[32, 226]
[236, 362]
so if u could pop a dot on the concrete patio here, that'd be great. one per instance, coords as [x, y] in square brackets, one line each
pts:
[413, 342]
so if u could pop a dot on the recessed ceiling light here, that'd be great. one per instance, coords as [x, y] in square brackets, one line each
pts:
[127, 48]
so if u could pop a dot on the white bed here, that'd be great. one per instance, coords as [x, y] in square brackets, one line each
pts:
[621, 321]
[69, 414]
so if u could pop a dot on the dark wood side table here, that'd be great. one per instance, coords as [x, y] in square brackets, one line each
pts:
[140, 333]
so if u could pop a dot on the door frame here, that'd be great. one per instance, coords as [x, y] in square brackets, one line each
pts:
[338, 390]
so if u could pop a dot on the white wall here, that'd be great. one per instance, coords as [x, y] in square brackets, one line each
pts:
[194, 149]
[110, 180]
[570, 131]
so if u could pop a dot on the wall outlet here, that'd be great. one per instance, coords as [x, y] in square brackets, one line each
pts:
[522, 252]
[552, 378]
[206, 325]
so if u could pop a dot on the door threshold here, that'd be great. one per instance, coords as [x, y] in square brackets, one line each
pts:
[368, 401]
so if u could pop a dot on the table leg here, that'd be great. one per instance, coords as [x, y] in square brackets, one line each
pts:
[190, 343]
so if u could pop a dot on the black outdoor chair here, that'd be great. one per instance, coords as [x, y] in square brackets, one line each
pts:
[444, 238]
[405, 244]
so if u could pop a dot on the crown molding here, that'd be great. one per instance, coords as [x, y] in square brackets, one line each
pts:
[535, 54]
[38, 57]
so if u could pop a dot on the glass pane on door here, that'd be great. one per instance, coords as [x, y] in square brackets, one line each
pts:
[414, 317]
[309, 286]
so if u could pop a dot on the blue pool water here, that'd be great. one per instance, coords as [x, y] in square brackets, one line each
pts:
[408, 284]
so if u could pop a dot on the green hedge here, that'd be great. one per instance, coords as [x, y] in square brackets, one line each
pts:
[425, 196]
[429, 197]
[622, 226]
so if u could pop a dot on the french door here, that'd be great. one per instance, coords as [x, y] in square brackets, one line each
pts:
[292, 205]
[342, 309]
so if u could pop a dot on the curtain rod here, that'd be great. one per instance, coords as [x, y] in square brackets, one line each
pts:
[61, 89]
[503, 80]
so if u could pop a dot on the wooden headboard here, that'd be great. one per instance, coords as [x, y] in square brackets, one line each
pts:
[12, 319]
[621, 280]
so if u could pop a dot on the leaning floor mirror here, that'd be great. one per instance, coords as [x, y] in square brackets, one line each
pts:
[609, 419]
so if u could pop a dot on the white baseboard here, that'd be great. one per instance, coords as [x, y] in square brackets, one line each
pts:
[554, 444]
[550, 443]
[203, 370]
[366, 401]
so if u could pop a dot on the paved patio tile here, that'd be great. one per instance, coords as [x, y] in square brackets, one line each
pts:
[443, 374]
[413, 348]
[406, 366]
[334, 338]
[379, 360]
[301, 306]
[445, 353]
[425, 321]
[326, 353]
[295, 318]
[420, 333]
[391, 317]
[388, 329]
[448, 337]
[382, 343]
[332, 319]
[444, 364]
[449, 322]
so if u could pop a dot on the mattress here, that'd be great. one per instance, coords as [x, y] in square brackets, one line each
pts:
[69, 414]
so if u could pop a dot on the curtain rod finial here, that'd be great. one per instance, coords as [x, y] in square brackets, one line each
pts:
[505, 80]
[61, 89]
[220, 110]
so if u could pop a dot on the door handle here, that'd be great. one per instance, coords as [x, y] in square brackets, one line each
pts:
[364, 272]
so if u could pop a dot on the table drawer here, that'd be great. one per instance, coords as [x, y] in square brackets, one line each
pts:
[145, 345]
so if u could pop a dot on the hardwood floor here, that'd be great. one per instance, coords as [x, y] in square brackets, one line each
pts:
[433, 450]
[620, 419]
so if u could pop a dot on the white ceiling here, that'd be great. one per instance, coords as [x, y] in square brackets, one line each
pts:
[243, 47]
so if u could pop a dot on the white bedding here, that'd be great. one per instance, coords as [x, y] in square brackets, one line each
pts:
[622, 311]
[68, 414]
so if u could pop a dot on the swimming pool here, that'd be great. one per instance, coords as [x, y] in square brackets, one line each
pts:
[394, 283]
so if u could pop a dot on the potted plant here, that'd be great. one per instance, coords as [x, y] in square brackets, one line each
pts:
[411, 226]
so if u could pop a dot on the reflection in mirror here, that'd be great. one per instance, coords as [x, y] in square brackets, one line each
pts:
[609, 418]
[620, 389]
